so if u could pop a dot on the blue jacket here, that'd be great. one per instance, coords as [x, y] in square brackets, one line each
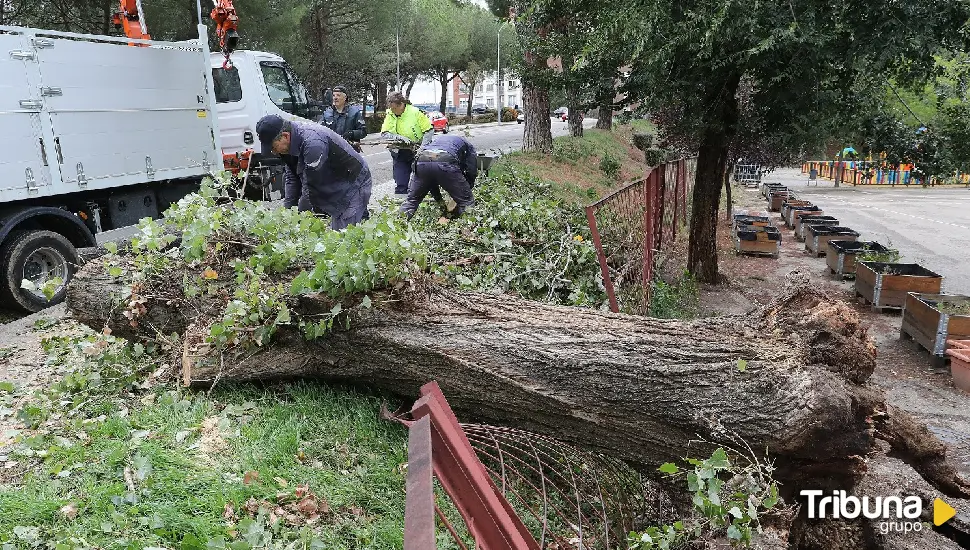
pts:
[461, 149]
[349, 123]
[323, 165]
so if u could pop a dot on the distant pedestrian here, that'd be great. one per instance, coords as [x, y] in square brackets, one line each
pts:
[405, 123]
[347, 120]
[322, 171]
[449, 162]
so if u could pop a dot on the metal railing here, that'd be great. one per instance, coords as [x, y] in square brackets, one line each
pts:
[631, 224]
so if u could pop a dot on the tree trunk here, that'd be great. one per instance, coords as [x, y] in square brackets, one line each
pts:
[604, 118]
[575, 120]
[640, 389]
[537, 134]
[444, 91]
[409, 87]
[712, 160]
[381, 97]
[727, 190]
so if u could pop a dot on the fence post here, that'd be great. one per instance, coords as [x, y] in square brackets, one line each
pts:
[678, 181]
[604, 268]
[648, 241]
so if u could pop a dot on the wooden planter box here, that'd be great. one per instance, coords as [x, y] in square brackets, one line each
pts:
[789, 204]
[778, 198]
[795, 211]
[924, 322]
[767, 188]
[959, 353]
[753, 239]
[747, 219]
[802, 223]
[818, 236]
[840, 256]
[886, 285]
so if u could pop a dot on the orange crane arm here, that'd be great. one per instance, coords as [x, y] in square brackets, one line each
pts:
[129, 17]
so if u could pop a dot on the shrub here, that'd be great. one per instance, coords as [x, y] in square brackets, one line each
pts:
[642, 141]
[610, 165]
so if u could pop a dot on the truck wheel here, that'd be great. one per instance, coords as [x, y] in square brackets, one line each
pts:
[38, 256]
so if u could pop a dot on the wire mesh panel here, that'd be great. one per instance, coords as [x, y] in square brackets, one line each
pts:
[621, 230]
[629, 225]
[567, 497]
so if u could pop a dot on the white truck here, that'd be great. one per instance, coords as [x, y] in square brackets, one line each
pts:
[99, 132]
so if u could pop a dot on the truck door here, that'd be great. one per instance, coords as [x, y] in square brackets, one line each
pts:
[127, 115]
[26, 144]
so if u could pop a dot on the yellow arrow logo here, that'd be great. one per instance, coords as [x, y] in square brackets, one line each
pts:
[942, 512]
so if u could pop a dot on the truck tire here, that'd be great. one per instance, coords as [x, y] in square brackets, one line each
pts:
[37, 255]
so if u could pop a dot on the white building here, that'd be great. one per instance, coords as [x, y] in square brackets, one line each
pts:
[487, 93]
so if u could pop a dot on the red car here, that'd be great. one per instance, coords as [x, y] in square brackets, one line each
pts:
[438, 121]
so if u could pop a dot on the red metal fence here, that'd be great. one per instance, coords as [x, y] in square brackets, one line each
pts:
[631, 224]
[513, 490]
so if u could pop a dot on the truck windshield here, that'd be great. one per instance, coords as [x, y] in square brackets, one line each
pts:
[284, 88]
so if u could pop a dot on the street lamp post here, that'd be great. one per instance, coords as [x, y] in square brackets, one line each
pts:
[498, 71]
[399, 58]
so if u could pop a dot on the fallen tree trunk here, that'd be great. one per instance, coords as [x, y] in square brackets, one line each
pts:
[649, 391]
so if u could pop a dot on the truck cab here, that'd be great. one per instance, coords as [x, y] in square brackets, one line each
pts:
[257, 84]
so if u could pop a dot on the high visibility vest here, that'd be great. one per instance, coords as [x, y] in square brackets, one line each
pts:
[412, 123]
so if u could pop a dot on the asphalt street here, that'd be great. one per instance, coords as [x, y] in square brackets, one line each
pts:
[928, 226]
[493, 139]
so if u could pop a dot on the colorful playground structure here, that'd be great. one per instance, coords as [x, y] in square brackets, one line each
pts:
[862, 172]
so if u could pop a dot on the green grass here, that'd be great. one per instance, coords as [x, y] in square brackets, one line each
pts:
[178, 483]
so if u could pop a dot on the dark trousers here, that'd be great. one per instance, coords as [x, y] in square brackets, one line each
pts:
[429, 176]
[403, 162]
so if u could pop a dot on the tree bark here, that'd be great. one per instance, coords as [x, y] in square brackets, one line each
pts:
[409, 87]
[537, 134]
[575, 119]
[381, 97]
[643, 390]
[712, 159]
[604, 118]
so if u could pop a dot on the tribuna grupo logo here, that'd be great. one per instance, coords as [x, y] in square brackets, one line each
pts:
[897, 513]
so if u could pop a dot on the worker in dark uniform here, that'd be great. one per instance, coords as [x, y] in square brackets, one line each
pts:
[449, 162]
[323, 173]
[346, 120]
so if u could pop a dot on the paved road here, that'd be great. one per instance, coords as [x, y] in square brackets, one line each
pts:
[928, 226]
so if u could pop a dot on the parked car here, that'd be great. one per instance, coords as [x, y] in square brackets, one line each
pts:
[521, 118]
[558, 112]
[479, 110]
[564, 115]
[438, 121]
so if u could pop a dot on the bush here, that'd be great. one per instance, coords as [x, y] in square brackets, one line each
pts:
[509, 114]
[487, 117]
[653, 157]
[642, 141]
[610, 165]
[677, 300]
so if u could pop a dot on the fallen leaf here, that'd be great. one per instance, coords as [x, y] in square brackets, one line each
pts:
[280, 481]
[69, 511]
[210, 274]
[250, 476]
[308, 506]
[301, 491]
[229, 512]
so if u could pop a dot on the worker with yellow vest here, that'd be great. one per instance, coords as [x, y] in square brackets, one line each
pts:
[404, 124]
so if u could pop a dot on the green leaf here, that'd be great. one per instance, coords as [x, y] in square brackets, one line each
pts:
[115, 271]
[365, 302]
[742, 365]
[6, 386]
[734, 533]
[772, 498]
[719, 459]
[111, 247]
[335, 310]
[669, 468]
[736, 512]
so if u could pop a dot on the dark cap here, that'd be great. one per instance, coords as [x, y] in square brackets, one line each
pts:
[340, 89]
[268, 128]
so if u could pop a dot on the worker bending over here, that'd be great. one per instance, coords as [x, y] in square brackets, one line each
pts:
[322, 171]
[449, 162]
